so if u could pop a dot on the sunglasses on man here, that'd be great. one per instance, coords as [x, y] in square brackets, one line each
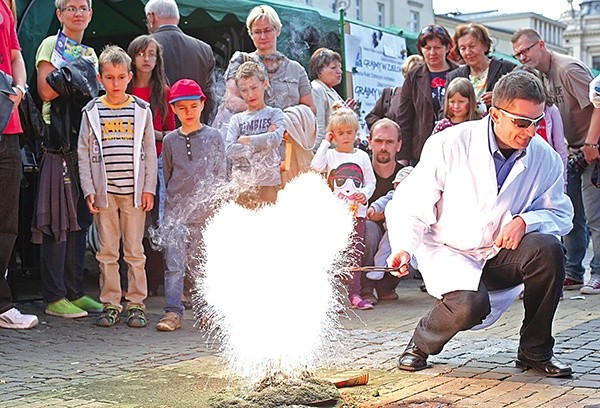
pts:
[521, 121]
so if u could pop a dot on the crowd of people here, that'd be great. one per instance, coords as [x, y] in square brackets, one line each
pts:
[479, 176]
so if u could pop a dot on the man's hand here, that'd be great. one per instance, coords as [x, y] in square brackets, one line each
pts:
[399, 261]
[147, 201]
[374, 215]
[91, 204]
[370, 212]
[511, 234]
[590, 153]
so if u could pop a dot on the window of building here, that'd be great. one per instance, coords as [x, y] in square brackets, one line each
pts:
[596, 61]
[414, 22]
[308, 2]
[380, 14]
[357, 7]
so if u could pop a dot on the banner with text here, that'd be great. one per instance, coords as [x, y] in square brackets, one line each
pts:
[373, 61]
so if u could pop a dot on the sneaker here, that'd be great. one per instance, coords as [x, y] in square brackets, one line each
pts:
[109, 317]
[387, 295]
[572, 284]
[13, 319]
[356, 302]
[591, 288]
[64, 308]
[136, 317]
[170, 322]
[88, 304]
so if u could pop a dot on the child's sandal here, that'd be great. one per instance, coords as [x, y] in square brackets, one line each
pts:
[136, 317]
[109, 317]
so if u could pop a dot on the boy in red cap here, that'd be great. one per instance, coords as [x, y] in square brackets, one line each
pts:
[117, 169]
[194, 164]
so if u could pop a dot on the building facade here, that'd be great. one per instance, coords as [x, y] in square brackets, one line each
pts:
[503, 25]
[407, 14]
[582, 34]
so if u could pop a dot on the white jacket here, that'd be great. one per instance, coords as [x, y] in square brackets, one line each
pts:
[449, 211]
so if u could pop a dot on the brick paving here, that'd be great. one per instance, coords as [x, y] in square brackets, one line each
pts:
[72, 363]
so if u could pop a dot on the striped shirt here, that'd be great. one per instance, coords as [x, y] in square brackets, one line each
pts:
[116, 122]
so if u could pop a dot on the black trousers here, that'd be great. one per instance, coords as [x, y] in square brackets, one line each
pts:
[539, 263]
[10, 182]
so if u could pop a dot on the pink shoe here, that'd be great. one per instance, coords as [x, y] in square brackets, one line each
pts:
[359, 303]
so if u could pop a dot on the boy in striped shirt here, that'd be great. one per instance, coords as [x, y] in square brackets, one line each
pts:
[118, 168]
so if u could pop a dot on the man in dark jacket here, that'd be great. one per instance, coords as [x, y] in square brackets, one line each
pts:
[184, 56]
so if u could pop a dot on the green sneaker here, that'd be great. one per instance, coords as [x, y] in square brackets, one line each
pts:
[64, 308]
[88, 304]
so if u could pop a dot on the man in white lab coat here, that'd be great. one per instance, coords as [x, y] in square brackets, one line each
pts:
[486, 208]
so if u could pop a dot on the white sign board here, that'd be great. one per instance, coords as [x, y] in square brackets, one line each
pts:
[373, 62]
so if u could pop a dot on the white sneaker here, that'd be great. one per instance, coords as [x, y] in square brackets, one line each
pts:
[13, 319]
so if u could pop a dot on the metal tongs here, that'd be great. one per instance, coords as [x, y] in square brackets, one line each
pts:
[377, 269]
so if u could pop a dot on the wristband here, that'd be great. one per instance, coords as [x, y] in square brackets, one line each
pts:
[22, 89]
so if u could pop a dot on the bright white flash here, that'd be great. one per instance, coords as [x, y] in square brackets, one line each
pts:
[269, 278]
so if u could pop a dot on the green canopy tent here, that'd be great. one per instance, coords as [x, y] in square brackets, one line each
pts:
[219, 23]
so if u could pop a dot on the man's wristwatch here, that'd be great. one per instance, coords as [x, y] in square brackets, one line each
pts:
[22, 89]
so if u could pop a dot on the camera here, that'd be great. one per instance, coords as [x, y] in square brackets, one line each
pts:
[577, 162]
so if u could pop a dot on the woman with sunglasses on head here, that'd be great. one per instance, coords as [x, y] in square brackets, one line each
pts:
[423, 92]
[288, 81]
[325, 68]
[473, 44]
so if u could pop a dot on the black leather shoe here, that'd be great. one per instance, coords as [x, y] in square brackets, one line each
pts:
[413, 359]
[552, 367]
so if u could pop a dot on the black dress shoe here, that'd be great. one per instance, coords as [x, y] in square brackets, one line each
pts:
[552, 367]
[413, 359]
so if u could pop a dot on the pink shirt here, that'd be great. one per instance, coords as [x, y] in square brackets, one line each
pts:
[10, 42]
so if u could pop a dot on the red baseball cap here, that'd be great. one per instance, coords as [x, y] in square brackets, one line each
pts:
[186, 90]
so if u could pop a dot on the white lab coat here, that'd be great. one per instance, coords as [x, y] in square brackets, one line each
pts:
[448, 211]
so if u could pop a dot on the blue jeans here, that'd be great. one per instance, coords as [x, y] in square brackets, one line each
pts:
[373, 236]
[576, 241]
[181, 255]
[161, 189]
[591, 204]
[62, 262]
[10, 181]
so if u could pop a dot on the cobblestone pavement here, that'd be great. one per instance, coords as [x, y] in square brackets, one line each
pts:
[72, 363]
